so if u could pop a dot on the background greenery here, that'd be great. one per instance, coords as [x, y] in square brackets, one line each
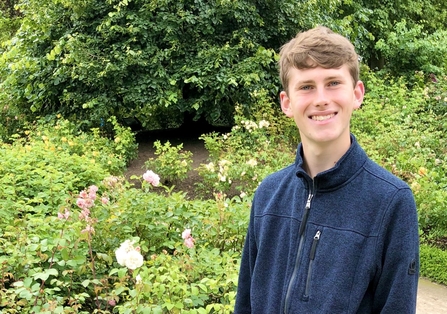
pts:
[164, 63]
[75, 74]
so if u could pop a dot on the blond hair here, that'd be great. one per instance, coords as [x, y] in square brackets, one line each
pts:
[317, 47]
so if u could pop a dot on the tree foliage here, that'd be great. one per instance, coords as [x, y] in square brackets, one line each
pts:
[409, 50]
[153, 60]
[380, 18]
[9, 19]
[165, 61]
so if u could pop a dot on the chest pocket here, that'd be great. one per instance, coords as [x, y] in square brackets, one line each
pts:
[337, 266]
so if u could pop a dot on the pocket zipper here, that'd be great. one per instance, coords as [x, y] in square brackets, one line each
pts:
[311, 258]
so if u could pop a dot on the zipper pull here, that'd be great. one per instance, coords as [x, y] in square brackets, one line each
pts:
[305, 215]
[308, 201]
[314, 244]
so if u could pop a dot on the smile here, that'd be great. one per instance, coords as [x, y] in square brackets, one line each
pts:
[322, 118]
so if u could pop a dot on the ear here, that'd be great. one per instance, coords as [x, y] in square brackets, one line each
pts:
[359, 93]
[285, 104]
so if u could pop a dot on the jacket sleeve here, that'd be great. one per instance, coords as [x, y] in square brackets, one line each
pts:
[243, 300]
[398, 265]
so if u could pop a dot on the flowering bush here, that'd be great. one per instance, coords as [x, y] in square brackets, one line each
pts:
[408, 138]
[71, 253]
[171, 162]
[240, 159]
[52, 159]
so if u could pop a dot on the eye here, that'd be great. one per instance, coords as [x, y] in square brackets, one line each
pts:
[334, 83]
[305, 87]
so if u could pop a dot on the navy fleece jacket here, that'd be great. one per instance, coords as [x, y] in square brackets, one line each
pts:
[344, 242]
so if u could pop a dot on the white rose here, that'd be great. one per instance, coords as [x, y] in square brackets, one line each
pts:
[134, 260]
[121, 254]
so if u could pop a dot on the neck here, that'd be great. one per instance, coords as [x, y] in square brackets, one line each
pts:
[322, 157]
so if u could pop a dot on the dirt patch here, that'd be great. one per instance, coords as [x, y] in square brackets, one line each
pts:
[191, 142]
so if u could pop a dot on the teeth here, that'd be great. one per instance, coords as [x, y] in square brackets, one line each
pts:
[322, 118]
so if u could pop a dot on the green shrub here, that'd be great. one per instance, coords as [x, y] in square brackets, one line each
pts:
[171, 163]
[40, 170]
[63, 216]
[435, 93]
[433, 263]
[194, 281]
[407, 50]
[66, 261]
[11, 121]
[254, 148]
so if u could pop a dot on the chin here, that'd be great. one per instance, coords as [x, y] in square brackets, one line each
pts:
[328, 137]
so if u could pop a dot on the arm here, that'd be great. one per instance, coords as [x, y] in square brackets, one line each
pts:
[398, 263]
[243, 302]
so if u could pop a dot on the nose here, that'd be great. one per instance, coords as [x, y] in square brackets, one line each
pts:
[322, 98]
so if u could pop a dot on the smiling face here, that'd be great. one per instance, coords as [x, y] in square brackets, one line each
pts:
[321, 102]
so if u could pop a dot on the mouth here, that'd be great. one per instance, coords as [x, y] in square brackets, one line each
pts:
[323, 118]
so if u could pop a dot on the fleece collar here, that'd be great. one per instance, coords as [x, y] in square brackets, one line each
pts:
[343, 171]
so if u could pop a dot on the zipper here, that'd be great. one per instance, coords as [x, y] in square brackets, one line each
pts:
[298, 255]
[311, 258]
[305, 215]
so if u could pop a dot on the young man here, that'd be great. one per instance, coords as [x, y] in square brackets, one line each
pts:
[334, 232]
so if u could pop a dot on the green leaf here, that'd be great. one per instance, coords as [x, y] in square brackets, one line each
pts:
[203, 287]
[26, 294]
[120, 290]
[44, 275]
[122, 272]
[169, 306]
[105, 257]
[64, 254]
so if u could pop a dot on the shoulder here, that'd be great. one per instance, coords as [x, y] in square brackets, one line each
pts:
[388, 189]
[383, 176]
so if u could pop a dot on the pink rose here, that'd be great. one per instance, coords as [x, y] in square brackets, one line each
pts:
[92, 192]
[189, 242]
[81, 203]
[89, 203]
[64, 215]
[151, 177]
[84, 214]
[88, 229]
[186, 234]
[93, 189]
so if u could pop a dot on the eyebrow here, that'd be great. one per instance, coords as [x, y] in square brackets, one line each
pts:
[335, 77]
[304, 82]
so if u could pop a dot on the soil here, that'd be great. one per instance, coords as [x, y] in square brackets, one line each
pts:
[432, 297]
[191, 142]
